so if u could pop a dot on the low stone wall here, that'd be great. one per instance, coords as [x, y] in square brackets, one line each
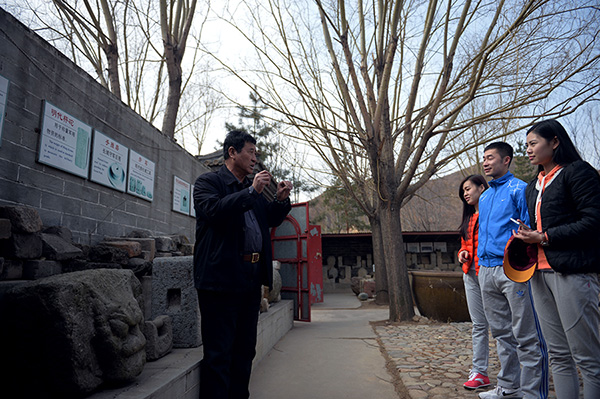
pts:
[177, 375]
[272, 326]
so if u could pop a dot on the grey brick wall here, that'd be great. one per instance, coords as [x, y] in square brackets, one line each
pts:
[37, 72]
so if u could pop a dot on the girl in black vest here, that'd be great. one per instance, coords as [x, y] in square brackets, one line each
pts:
[564, 209]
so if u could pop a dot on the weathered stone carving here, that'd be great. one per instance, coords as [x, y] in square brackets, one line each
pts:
[275, 293]
[63, 336]
[159, 337]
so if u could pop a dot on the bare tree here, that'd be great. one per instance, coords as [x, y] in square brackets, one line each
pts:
[584, 130]
[135, 48]
[390, 92]
[199, 103]
[89, 31]
[176, 18]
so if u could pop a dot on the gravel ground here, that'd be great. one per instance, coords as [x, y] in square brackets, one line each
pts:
[432, 359]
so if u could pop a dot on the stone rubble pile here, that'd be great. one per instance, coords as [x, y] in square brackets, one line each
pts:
[34, 262]
[30, 251]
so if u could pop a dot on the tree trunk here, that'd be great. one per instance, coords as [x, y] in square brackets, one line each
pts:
[401, 302]
[174, 96]
[112, 57]
[381, 282]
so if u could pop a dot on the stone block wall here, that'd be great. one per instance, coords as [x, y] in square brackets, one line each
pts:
[37, 72]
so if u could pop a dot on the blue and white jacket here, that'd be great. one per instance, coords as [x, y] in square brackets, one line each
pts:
[504, 199]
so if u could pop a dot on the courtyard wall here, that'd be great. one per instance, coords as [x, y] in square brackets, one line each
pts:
[39, 74]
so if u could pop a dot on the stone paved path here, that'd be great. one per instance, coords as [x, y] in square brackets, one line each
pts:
[433, 359]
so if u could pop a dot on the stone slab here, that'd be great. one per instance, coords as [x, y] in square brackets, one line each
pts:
[12, 269]
[39, 268]
[133, 248]
[24, 246]
[55, 247]
[108, 254]
[23, 219]
[163, 255]
[148, 244]
[61, 231]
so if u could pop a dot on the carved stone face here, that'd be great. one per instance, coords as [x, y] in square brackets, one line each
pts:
[119, 343]
[81, 329]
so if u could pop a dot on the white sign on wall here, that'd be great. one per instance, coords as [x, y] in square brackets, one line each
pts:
[413, 247]
[181, 196]
[109, 162]
[141, 176]
[64, 141]
[440, 246]
[426, 247]
[3, 99]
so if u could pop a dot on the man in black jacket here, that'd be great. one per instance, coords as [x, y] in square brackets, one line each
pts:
[232, 258]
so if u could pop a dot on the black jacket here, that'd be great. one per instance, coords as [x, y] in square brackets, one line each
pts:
[220, 201]
[571, 217]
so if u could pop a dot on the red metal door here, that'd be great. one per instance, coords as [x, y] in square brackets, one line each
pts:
[315, 263]
[297, 246]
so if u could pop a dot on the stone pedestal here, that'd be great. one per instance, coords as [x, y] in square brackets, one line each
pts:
[173, 294]
[347, 274]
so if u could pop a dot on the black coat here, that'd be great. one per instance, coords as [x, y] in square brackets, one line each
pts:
[571, 217]
[220, 201]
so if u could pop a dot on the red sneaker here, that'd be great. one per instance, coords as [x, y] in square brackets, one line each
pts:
[476, 380]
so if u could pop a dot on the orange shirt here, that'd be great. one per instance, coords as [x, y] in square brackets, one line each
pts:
[543, 182]
[470, 245]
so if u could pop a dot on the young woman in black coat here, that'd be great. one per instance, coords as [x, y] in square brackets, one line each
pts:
[564, 209]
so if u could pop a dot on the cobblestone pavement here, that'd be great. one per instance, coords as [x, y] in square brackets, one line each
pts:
[432, 359]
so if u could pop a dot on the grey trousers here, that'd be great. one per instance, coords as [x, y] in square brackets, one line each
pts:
[479, 334]
[567, 307]
[513, 322]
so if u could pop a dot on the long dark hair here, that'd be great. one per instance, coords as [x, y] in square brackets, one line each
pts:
[468, 210]
[566, 152]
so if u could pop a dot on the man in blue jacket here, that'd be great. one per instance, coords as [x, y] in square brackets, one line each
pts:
[232, 258]
[508, 305]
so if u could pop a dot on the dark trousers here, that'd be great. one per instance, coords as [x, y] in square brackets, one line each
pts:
[228, 325]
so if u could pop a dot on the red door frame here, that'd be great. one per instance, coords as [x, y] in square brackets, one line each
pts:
[306, 260]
